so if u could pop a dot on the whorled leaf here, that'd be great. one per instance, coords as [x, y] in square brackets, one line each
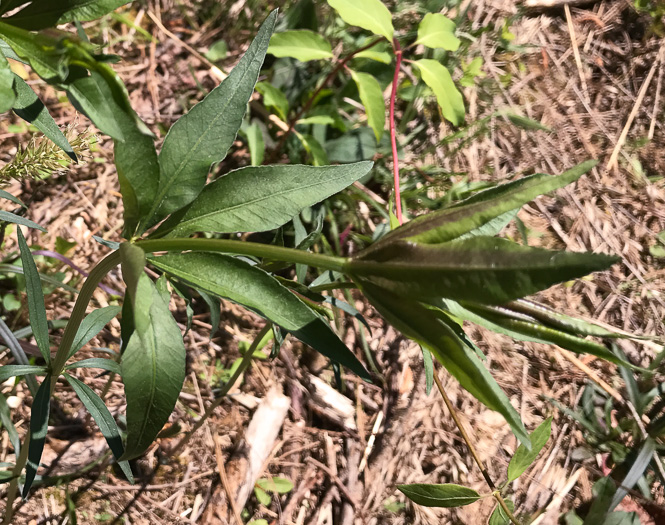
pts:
[231, 278]
[204, 135]
[485, 270]
[153, 368]
[436, 332]
[261, 198]
[481, 208]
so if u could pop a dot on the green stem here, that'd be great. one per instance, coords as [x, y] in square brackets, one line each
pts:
[267, 251]
[78, 313]
[244, 364]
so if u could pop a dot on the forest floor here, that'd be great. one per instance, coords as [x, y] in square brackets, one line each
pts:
[583, 78]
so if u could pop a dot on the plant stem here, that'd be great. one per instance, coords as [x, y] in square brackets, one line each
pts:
[472, 449]
[306, 107]
[393, 138]
[244, 364]
[267, 251]
[78, 313]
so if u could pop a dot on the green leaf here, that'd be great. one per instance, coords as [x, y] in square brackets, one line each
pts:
[204, 135]
[481, 208]
[36, 308]
[257, 147]
[262, 496]
[446, 495]
[325, 120]
[91, 96]
[28, 106]
[565, 322]
[437, 31]
[8, 196]
[302, 44]
[137, 166]
[429, 370]
[485, 270]
[523, 458]
[104, 420]
[38, 430]
[96, 362]
[274, 98]
[639, 463]
[276, 485]
[435, 331]
[377, 56]
[371, 96]
[41, 14]
[7, 371]
[91, 325]
[217, 51]
[368, 14]
[132, 263]
[501, 320]
[7, 94]
[262, 198]
[525, 122]
[6, 216]
[499, 516]
[438, 78]
[153, 368]
[44, 53]
[234, 279]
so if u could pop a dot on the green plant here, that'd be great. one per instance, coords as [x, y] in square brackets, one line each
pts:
[424, 277]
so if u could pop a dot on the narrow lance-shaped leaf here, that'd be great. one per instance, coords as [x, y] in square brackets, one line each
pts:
[96, 362]
[7, 94]
[7, 371]
[28, 106]
[372, 15]
[204, 135]
[486, 270]
[372, 98]
[438, 78]
[104, 420]
[38, 430]
[481, 208]
[261, 198]
[36, 308]
[6, 216]
[8, 196]
[503, 321]
[41, 14]
[153, 368]
[231, 278]
[429, 370]
[446, 495]
[437, 31]
[91, 325]
[300, 44]
[523, 458]
[433, 330]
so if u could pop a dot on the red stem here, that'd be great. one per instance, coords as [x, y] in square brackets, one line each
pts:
[393, 139]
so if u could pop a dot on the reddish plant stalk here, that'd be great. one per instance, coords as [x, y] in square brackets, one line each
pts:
[393, 139]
